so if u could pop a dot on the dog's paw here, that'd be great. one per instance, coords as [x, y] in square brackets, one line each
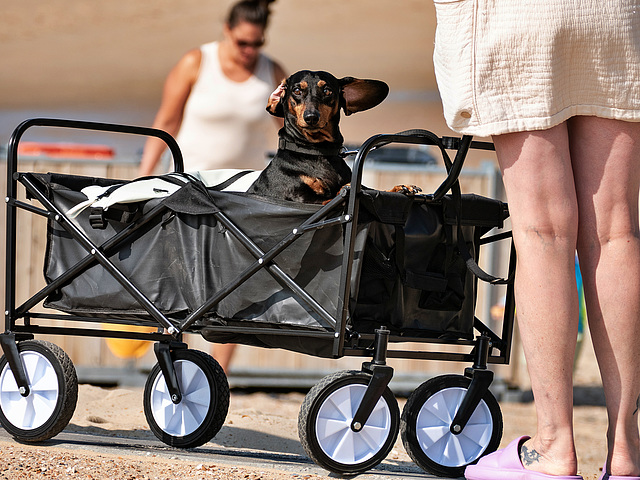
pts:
[406, 189]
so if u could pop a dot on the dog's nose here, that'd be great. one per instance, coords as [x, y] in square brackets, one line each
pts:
[311, 117]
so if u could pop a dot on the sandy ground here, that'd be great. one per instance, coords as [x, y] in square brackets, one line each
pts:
[257, 421]
[260, 422]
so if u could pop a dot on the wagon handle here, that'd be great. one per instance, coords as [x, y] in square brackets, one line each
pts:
[12, 152]
[12, 168]
[421, 137]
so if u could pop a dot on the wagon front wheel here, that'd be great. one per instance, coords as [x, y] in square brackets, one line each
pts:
[324, 424]
[53, 393]
[201, 412]
[426, 422]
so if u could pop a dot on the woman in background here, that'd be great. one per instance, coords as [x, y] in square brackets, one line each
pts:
[214, 103]
[214, 99]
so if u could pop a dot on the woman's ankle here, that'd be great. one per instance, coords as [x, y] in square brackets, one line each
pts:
[549, 456]
[624, 457]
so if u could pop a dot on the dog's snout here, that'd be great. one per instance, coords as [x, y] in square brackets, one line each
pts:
[311, 117]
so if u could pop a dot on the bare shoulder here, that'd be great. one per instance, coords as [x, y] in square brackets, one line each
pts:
[189, 65]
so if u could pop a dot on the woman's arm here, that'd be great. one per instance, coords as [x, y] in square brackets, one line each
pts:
[177, 89]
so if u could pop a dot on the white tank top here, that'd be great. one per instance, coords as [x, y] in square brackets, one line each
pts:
[225, 123]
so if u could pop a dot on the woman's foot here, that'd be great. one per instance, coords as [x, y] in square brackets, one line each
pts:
[551, 459]
[623, 459]
[506, 464]
[620, 468]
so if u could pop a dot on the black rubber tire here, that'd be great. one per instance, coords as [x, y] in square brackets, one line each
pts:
[309, 413]
[489, 426]
[61, 404]
[213, 382]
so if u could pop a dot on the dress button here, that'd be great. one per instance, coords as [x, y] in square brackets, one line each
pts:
[465, 114]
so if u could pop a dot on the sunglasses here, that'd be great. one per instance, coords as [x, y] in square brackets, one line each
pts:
[244, 44]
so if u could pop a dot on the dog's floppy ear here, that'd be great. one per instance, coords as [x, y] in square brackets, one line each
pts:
[359, 95]
[274, 105]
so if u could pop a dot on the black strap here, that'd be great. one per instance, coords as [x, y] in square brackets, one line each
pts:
[121, 213]
[231, 180]
[109, 191]
[452, 183]
[472, 265]
[437, 141]
[126, 213]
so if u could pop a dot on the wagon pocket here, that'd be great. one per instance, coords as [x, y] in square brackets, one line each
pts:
[414, 278]
[440, 291]
[380, 271]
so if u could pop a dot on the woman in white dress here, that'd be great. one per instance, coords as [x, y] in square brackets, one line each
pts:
[556, 84]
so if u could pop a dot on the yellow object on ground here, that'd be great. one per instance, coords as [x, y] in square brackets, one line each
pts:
[124, 347]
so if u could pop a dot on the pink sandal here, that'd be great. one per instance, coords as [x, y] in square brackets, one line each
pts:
[606, 476]
[505, 464]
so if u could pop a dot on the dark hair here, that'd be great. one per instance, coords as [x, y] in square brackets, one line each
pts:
[252, 11]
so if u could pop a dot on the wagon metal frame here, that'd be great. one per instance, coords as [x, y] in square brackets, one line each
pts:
[22, 324]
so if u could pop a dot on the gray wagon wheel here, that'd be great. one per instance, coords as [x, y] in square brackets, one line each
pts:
[426, 422]
[324, 424]
[53, 393]
[200, 414]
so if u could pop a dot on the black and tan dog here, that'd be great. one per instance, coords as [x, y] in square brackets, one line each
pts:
[308, 166]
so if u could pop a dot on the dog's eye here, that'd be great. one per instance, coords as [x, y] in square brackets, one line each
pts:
[297, 91]
[328, 92]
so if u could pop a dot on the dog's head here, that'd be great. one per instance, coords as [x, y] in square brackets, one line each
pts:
[310, 102]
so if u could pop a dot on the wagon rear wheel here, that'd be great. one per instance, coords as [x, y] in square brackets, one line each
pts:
[201, 412]
[324, 424]
[53, 393]
[426, 422]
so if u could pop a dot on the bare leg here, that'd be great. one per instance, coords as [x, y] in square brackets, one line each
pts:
[223, 353]
[606, 159]
[539, 184]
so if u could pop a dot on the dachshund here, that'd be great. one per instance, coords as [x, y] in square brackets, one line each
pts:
[308, 166]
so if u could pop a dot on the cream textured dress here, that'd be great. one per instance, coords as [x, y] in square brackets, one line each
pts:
[516, 65]
[225, 123]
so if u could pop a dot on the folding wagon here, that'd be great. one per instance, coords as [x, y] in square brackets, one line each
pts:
[359, 276]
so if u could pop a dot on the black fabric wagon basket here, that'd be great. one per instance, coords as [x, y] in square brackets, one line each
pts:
[408, 273]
